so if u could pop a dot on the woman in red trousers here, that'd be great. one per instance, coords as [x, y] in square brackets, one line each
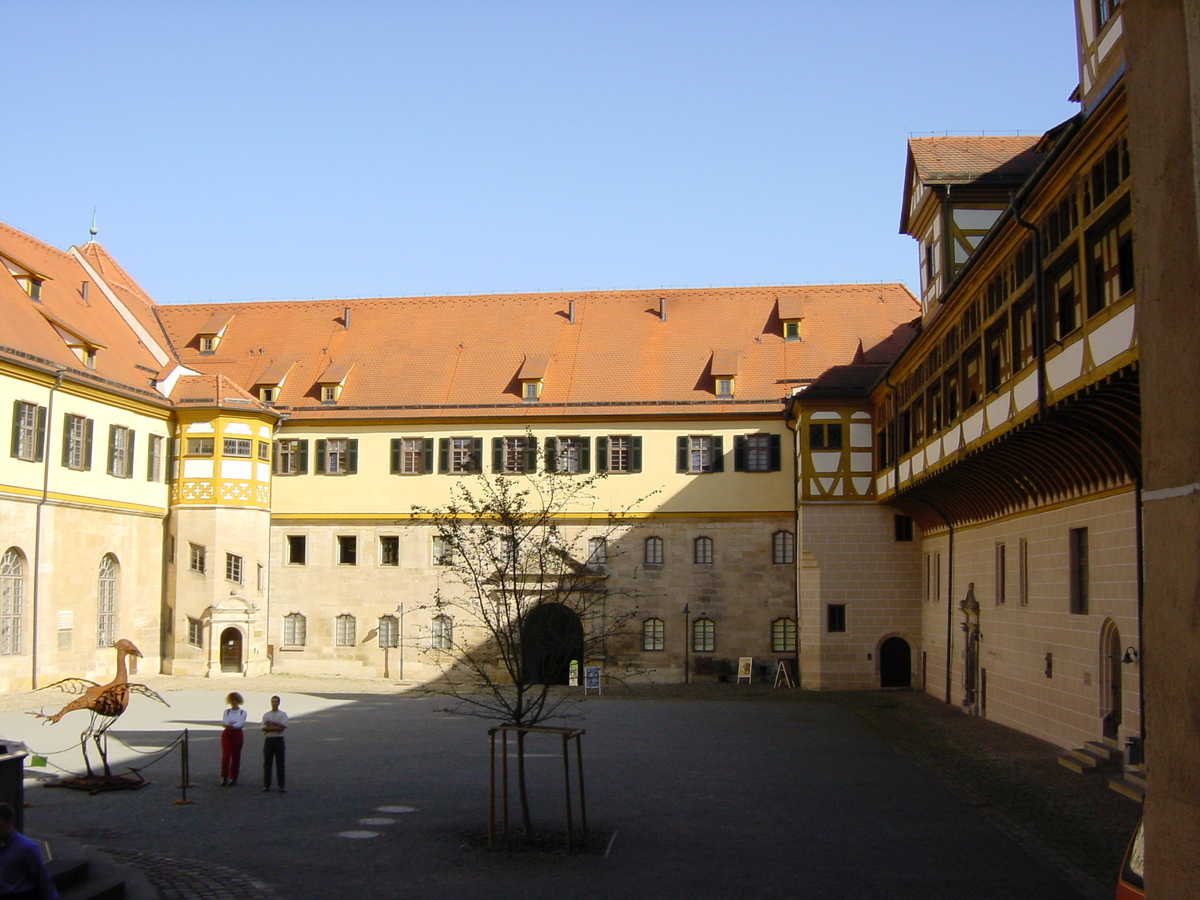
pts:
[231, 740]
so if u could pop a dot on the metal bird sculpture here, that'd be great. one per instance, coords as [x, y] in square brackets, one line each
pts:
[105, 702]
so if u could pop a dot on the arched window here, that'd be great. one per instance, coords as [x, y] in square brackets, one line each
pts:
[783, 635]
[783, 548]
[389, 631]
[106, 602]
[652, 634]
[654, 551]
[343, 632]
[442, 633]
[702, 551]
[295, 630]
[704, 635]
[12, 593]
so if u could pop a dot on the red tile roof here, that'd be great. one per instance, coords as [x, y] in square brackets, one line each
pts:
[463, 356]
[963, 159]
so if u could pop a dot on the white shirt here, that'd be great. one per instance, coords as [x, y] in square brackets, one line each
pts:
[234, 718]
[275, 717]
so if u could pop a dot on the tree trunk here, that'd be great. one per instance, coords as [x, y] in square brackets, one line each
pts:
[525, 819]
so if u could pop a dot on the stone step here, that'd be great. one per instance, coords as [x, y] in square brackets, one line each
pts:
[1132, 784]
[1108, 748]
[1085, 760]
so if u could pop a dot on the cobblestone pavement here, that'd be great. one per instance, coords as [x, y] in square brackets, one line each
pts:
[189, 879]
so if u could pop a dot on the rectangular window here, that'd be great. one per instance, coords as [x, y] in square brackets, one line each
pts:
[443, 551]
[702, 551]
[756, 453]
[700, 453]
[389, 550]
[337, 456]
[389, 631]
[1079, 575]
[208, 344]
[77, 442]
[237, 447]
[460, 455]
[597, 551]
[297, 549]
[1023, 571]
[120, 451]
[653, 551]
[154, 458]
[903, 527]
[653, 637]
[514, 455]
[569, 455]
[619, 454]
[783, 636]
[1001, 576]
[329, 393]
[295, 630]
[197, 558]
[264, 451]
[825, 436]
[195, 632]
[347, 550]
[704, 635]
[412, 456]
[344, 631]
[835, 617]
[199, 446]
[783, 548]
[291, 457]
[233, 568]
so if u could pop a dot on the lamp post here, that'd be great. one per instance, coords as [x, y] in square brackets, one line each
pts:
[687, 637]
[400, 638]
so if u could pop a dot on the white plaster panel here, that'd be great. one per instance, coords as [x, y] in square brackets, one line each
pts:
[237, 428]
[976, 219]
[860, 435]
[933, 453]
[264, 432]
[1113, 337]
[860, 462]
[1065, 367]
[827, 484]
[200, 428]
[997, 411]
[1114, 32]
[860, 415]
[814, 486]
[197, 468]
[236, 469]
[823, 416]
[1025, 391]
[972, 428]
[862, 486]
[905, 470]
[826, 462]
[881, 483]
[264, 471]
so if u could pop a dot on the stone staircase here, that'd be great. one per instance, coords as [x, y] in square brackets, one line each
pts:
[1094, 756]
[1131, 783]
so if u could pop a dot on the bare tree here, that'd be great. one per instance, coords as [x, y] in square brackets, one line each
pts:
[525, 594]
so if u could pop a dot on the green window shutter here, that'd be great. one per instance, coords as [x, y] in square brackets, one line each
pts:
[427, 447]
[602, 454]
[66, 447]
[718, 453]
[739, 453]
[40, 441]
[681, 454]
[635, 454]
[477, 455]
[395, 466]
[352, 456]
[16, 428]
[319, 462]
[531, 455]
[87, 445]
[776, 454]
[302, 462]
[112, 447]
[585, 455]
[497, 455]
[443, 455]
[551, 454]
[131, 443]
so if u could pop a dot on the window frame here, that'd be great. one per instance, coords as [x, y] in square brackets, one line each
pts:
[704, 635]
[619, 454]
[784, 635]
[197, 558]
[292, 544]
[121, 446]
[441, 633]
[783, 548]
[653, 635]
[12, 601]
[78, 435]
[155, 458]
[411, 456]
[702, 551]
[28, 431]
[195, 632]
[700, 454]
[235, 568]
[1079, 574]
[336, 457]
[237, 447]
[345, 630]
[295, 630]
[835, 618]
[106, 601]
[389, 550]
[758, 452]
[199, 446]
[346, 547]
[290, 457]
[652, 551]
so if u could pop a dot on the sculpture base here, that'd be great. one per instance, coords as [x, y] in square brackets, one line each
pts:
[94, 784]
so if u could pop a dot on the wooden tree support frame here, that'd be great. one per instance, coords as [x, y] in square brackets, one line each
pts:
[567, 735]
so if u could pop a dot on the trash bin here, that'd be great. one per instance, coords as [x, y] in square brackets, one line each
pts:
[1133, 751]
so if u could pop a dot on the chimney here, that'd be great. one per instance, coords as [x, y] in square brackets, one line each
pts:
[662, 309]
[84, 291]
[346, 319]
[571, 312]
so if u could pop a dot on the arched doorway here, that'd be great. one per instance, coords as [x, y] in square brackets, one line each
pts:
[231, 650]
[552, 636]
[1110, 679]
[895, 663]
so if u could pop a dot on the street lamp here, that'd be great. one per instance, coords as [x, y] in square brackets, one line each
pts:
[687, 637]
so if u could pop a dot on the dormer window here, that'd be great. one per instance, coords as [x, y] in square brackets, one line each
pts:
[531, 376]
[531, 391]
[208, 336]
[791, 330]
[33, 287]
[332, 380]
[791, 314]
[724, 372]
[268, 394]
[724, 387]
[330, 393]
[209, 344]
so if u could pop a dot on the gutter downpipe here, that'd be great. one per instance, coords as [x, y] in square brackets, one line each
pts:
[37, 533]
[796, 519]
[949, 599]
[1039, 304]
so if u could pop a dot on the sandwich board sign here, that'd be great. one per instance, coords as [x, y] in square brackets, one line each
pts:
[591, 679]
[745, 668]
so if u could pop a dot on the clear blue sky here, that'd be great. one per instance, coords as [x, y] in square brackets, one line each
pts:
[239, 151]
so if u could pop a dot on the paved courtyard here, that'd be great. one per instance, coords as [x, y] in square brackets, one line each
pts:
[722, 798]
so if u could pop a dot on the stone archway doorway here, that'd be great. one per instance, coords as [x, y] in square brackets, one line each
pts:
[1110, 679]
[552, 636]
[231, 650]
[895, 663]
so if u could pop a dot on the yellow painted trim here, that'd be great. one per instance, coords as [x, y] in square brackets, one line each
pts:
[57, 499]
[404, 518]
[108, 396]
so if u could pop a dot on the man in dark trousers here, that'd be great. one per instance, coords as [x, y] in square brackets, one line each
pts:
[23, 875]
[274, 723]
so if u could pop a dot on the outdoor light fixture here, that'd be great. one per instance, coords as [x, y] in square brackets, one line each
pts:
[1131, 655]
